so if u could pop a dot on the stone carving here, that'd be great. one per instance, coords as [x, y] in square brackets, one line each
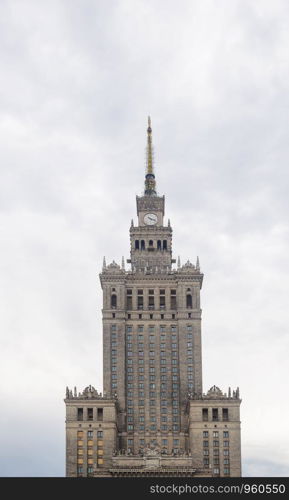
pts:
[187, 267]
[214, 393]
[88, 393]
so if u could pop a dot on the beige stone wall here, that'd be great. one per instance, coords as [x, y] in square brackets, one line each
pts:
[197, 426]
[89, 451]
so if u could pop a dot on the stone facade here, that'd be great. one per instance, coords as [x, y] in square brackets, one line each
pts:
[153, 416]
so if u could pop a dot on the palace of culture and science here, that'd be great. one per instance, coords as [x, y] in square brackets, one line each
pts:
[152, 418]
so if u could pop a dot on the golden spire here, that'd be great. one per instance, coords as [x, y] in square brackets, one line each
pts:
[150, 183]
[149, 148]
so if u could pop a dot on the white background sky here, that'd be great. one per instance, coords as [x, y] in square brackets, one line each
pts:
[77, 81]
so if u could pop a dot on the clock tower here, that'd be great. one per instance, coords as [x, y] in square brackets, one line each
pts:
[150, 240]
[153, 418]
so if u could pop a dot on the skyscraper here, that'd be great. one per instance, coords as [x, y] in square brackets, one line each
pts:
[152, 417]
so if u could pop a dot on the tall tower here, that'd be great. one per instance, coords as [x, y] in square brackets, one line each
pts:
[153, 406]
[152, 329]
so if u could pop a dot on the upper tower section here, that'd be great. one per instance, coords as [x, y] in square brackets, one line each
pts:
[150, 207]
[151, 241]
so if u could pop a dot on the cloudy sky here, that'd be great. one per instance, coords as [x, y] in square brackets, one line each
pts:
[77, 81]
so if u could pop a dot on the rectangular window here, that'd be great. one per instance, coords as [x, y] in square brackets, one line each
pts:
[162, 299]
[215, 414]
[89, 413]
[205, 434]
[205, 444]
[129, 299]
[226, 434]
[225, 414]
[79, 413]
[216, 434]
[173, 299]
[100, 434]
[100, 414]
[205, 412]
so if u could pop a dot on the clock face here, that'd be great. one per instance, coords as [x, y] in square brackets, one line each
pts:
[150, 219]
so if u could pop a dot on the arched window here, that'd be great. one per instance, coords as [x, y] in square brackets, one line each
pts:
[113, 301]
[142, 244]
[136, 244]
[189, 301]
[165, 245]
[159, 245]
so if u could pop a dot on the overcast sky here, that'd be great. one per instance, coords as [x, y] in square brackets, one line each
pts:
[77, 81]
